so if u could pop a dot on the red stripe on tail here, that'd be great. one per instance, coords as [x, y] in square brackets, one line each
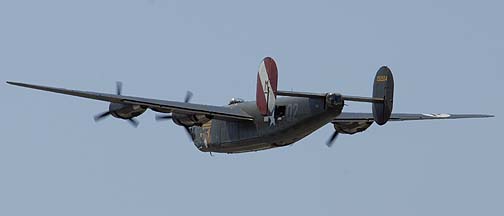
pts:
[267, 82]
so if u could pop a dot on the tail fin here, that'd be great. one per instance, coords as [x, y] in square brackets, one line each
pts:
[267, 80]
[383, 87]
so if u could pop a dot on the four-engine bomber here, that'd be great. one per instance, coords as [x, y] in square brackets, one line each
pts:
[276, 118]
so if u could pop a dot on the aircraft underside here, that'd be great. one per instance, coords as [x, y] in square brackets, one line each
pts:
[214, 139]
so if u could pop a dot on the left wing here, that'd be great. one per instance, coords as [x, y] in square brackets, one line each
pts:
[226, 113]
[358, 117]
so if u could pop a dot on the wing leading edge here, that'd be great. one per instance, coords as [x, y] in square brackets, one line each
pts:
[217, 112]
[353, 116]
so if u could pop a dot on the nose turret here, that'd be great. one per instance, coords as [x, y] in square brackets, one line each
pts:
[201, 139]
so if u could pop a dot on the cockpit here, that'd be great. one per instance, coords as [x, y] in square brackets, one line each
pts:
[236, 101]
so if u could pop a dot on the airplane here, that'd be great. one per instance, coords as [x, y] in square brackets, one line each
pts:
[275, 119]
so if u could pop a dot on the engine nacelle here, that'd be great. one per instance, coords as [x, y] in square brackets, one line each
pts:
[190, 120]
[352, 127]
[125, 111]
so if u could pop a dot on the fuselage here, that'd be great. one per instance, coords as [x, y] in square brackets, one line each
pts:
[294, 118]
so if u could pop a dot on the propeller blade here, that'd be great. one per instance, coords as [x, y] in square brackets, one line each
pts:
[118, 88]
[133, 122]
[188, 96]
[189, 133]
[331, 140]
[100, 116]
[163, 117]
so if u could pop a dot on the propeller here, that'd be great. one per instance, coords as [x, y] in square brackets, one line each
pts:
[133, 122]
[101, 116]
[168, 117]
[118, 88]
[163, 117]
[187, 98]
[331, 140]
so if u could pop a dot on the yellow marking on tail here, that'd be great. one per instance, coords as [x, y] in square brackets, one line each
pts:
[381, 78]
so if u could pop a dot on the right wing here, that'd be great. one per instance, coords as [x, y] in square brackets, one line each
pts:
[356, 117]
[225, 113]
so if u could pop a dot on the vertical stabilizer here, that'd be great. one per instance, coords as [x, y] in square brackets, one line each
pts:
[383, 87]
[267, 80]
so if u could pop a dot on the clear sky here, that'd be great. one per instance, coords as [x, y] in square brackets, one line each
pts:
[447, 56]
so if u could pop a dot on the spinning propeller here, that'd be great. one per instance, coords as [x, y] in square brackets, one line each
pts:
[115, 107]
[333, 137]
[187, 98]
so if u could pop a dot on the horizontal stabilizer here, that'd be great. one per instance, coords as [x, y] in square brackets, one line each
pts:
[323, 95]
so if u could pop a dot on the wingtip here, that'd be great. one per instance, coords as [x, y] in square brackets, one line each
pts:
[485, 116]
[18, 84]
[13, 83]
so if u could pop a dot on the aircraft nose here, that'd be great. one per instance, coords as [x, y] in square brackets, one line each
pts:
[202, 147]
[201, 144]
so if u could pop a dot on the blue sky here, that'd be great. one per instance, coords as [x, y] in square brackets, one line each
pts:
[446, 57]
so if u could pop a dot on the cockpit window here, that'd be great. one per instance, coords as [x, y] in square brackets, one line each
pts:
[236, 100]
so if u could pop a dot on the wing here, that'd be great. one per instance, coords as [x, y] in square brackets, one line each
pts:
[226, 113]
[354, 117]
